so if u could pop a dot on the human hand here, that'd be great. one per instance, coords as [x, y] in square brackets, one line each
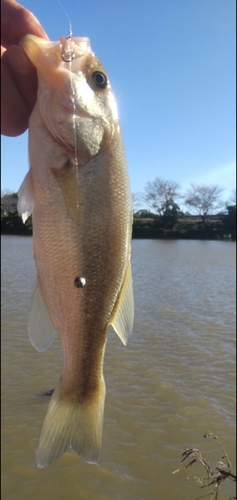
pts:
[18, 74]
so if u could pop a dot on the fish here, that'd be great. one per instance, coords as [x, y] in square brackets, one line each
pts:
[78, 191]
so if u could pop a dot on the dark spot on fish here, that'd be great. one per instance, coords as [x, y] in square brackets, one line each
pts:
[48, 393]
[79, 282]
[100, 79]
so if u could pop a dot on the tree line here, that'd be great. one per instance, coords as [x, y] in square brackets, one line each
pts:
[163, 198]
[164, 218]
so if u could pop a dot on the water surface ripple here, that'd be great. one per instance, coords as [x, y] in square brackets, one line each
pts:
[173, 382]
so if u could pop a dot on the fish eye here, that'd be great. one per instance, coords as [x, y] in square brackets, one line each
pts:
[100, 79]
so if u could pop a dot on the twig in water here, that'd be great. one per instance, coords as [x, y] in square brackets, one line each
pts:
[216, 475]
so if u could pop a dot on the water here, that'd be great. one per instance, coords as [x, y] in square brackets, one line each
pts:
[173, 382]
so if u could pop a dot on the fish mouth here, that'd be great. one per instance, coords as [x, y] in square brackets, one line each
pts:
[74, 47]
[51, 59]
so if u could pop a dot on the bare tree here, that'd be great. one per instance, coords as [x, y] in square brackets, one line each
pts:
[137, 201]
[5, 192]
[204, 200]
[232, 197]
[160, 194]
[8, 201]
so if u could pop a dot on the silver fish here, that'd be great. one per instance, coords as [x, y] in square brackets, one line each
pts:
[77, 189]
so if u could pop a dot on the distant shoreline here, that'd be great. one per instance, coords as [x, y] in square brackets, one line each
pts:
[12, 224]
[184, 230]
[146, 225]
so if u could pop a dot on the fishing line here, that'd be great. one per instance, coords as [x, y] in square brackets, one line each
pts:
[67, 57]
[69, 20]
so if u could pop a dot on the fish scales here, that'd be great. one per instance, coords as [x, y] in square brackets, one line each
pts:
[78, 191]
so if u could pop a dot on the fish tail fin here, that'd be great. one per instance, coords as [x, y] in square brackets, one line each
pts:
[69, 424]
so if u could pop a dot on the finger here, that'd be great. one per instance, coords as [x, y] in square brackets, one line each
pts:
[18, 91]
[16, 21]
[23, 73]
[14, 112]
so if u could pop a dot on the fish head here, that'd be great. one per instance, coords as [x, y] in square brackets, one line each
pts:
[75, 99]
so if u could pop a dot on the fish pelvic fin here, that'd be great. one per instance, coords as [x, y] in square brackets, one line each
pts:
[69, 424]
[40, 328]
[25, 203]
[123, 314]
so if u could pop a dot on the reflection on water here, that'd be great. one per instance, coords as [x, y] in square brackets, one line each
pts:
[174, 381]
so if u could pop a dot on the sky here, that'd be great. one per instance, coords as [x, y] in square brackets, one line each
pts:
[171, 64]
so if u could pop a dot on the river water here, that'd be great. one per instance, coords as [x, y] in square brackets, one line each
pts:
[173, 382]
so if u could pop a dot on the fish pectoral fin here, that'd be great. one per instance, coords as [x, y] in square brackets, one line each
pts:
[40, 328]
[25, 202]
[67, 182]
[123, 313]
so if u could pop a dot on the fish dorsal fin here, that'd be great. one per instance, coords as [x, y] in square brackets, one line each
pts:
[123, 313]
[40, 328]
[25, 203]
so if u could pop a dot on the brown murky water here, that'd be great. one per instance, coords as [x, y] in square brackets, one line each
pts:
[173, 382]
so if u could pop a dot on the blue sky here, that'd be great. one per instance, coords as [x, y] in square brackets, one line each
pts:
[172, 66]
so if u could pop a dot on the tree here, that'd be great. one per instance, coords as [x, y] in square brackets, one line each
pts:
[9, 201]
[203, 200]
[160, 195]
[232, 200]
[229, 219]
[5, 191]
[137, 200]
[171, 214]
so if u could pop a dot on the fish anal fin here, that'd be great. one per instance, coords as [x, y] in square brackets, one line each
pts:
[123, 313]
[40, 328]
[25, 202]
[70, 424]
